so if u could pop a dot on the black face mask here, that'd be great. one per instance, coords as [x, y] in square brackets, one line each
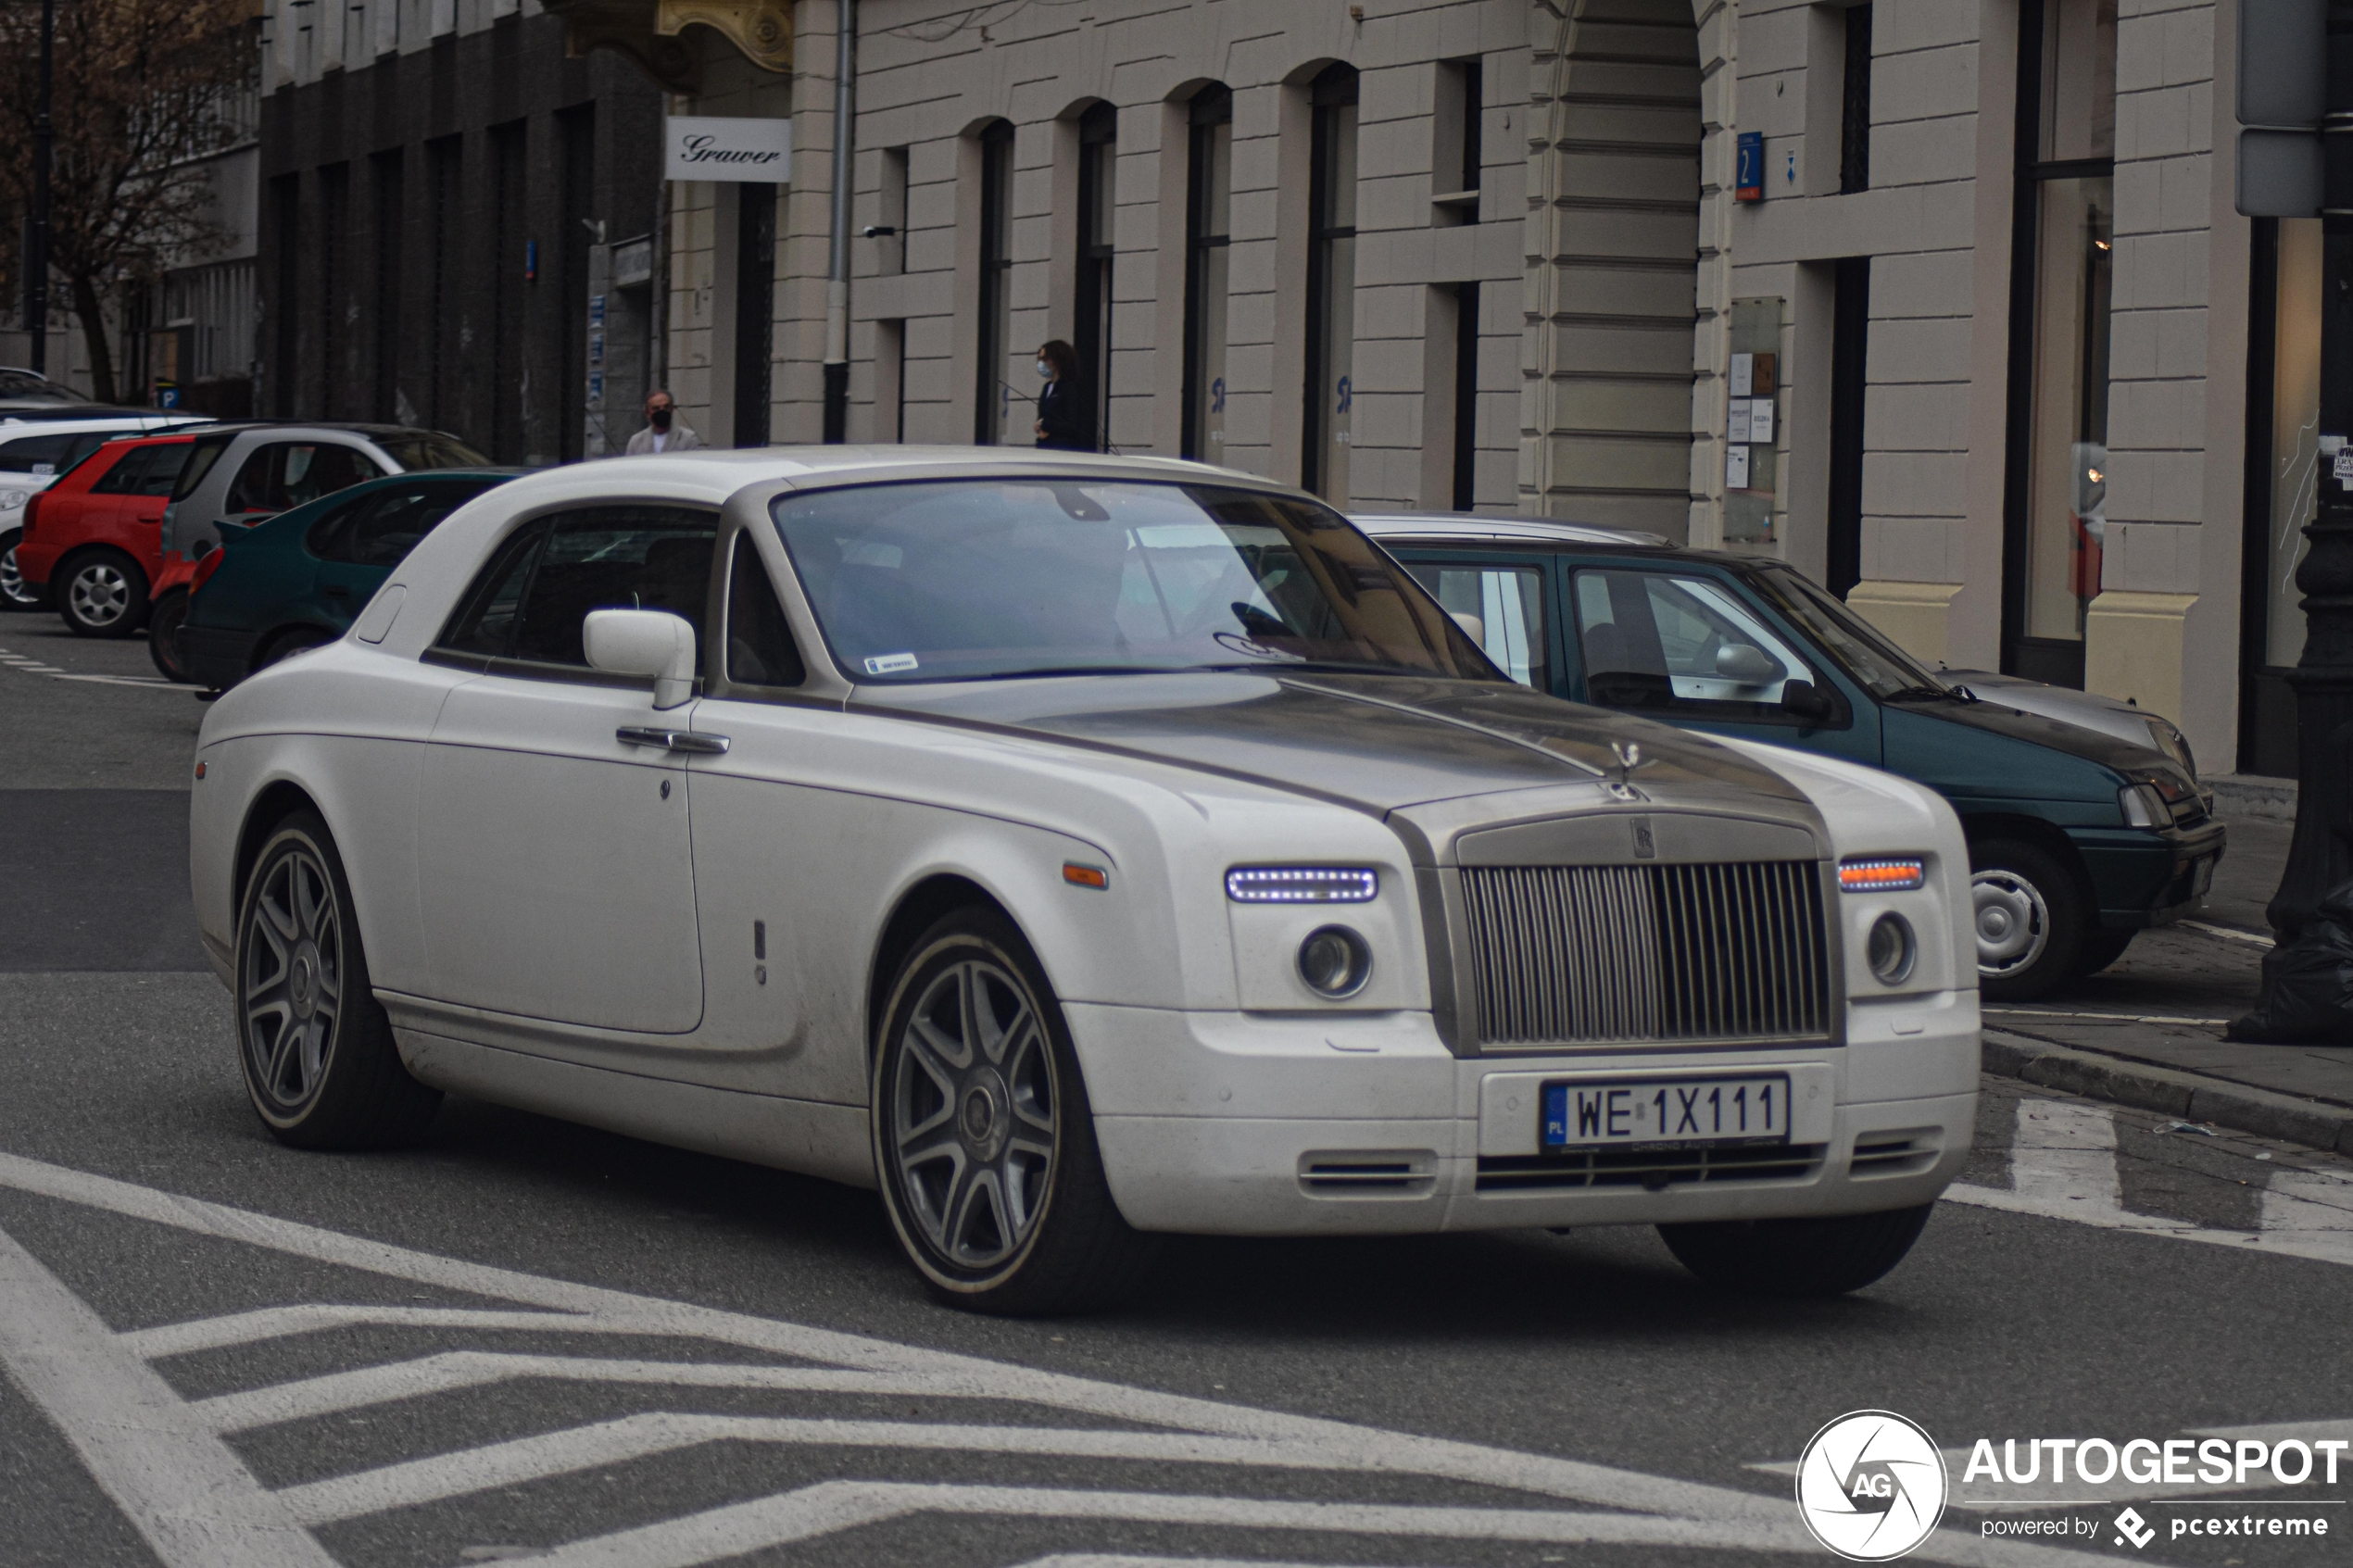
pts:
[659, 419]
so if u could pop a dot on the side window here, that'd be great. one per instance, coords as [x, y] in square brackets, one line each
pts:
[143, 470]
[381, 528]
[1503, 609]
[613, 557]
[759, 646]
[42, 455]
[257, 488]
[285, 474]
[486, 619]
[1652, 639]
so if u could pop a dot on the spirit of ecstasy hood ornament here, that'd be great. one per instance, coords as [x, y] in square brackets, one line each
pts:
[1629, 758]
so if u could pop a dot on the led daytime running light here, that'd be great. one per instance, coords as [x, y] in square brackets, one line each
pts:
[1303, 884]
[1884, 874]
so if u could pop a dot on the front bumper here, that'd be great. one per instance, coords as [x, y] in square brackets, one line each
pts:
[1254, 1124]
[2149, 876]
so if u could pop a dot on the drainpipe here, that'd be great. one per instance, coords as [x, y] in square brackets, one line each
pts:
[837, 269]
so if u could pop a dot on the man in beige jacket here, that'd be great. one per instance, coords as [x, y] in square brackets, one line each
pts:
[665, 431]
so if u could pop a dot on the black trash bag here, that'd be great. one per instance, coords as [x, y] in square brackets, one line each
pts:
[2307, 984]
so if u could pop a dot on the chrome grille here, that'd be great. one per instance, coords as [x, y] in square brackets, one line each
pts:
[1649, 952]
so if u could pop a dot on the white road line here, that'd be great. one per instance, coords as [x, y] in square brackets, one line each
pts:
[191, 1499]
[1683, 1511]
[832, 1506]
[275, 1322]
[2063, 1167]
[443, 1374]
[2101, 1017]
[2225, 930]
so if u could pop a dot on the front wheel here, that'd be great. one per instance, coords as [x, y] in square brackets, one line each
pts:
[983, 1136]
[15, 594]
[317, 1050]
[2030, 919]
[163, 634]
[1829, 1256]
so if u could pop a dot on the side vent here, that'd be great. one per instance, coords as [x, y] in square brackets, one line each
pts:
[1381, 1173]
[1895, 1154]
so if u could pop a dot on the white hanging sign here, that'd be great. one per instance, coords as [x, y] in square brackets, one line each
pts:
[736, 150]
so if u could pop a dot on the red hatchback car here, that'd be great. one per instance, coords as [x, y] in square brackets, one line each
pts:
[94, 537]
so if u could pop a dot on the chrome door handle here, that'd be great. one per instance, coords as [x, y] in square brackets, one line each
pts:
[700, 742]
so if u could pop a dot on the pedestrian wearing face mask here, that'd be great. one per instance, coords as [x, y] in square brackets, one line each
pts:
[1065, 421]
[665, 431]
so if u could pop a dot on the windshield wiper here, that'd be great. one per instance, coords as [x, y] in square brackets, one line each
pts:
[1922, 693]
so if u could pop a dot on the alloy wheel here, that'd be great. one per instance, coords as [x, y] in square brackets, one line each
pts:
[2013, 922]
[972, 1122]
[291, 1001]
[99, 594]
[12, 584]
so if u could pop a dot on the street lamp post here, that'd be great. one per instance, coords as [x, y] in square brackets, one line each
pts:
[36, 247]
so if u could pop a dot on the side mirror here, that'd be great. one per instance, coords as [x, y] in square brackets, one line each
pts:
[647, 644]
[1749, 665]
[1806, 699]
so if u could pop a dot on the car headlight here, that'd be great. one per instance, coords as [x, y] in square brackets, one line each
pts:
[1303, 884]
[1882, 873]
[1892, 950]
[1335, 962]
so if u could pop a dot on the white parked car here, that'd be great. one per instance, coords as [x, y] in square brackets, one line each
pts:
[1077, 848]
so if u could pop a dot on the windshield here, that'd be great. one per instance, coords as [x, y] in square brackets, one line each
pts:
[415, 452]
[975, 579]
[1876, 664]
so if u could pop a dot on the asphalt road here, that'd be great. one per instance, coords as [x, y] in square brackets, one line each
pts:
[527, 1340]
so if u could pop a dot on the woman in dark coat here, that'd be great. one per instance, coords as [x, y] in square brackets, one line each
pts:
[1064, 422]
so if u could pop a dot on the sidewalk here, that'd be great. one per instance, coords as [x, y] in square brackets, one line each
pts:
[2148, 1031]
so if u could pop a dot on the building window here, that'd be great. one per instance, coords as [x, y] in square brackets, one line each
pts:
[386, 172]
[1854, 105]
[1207, 204]
[1332, 287]
[992, 396]
[2064, 256]
[891, 248]
[2283, 483]
[1098, 185]
[1466, 395]
[755, 311]
[1458, 149]
[442, 168]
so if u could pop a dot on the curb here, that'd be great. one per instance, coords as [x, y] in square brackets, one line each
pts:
[2193, 1096]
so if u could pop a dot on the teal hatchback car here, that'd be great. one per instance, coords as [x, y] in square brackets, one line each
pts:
[300, 579]
[2078, 839]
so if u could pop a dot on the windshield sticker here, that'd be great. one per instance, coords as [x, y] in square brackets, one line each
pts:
[890, 663]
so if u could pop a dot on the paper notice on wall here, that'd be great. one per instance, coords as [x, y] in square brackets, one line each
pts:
[1743, 371]
[2341, 467]
[1760, 418]
[1736, 427]
[1736, 467]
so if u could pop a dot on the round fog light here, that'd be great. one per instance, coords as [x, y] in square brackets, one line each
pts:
[1335, 962]
[1892, 950]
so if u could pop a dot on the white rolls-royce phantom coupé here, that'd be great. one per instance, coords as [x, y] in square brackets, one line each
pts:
[1076, 849]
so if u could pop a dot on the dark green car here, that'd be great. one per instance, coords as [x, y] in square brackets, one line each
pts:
[301, 578]
[2077, 839]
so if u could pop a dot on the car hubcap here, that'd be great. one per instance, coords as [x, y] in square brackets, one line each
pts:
[12, 586]
[292, 979]
[973, 1114]
[2013, 923]
[100, 596]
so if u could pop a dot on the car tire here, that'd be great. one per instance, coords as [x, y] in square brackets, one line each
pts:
[100, 594]
[2101, 948]
[286, 644]
[1796, 1257]
[2031, 916]
[315, 1047]
[15, 594]
[982, 1137]
[171, 612]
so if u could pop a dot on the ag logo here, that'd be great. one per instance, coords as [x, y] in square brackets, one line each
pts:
[1870, 1485]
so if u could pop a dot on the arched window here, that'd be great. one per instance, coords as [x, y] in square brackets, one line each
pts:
[1332, 287]
[991, 403]
[1208, 203]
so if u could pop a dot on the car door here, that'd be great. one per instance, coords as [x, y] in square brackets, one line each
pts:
[1508, 603]
[1690, 646]
[554, 849]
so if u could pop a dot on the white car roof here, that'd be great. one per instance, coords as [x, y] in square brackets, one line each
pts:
[715, 473]
[11, 428]
[1475, 525]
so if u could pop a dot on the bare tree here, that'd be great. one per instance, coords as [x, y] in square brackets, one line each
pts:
[144, 90]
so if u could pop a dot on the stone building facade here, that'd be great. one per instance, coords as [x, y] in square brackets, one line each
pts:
[1943, 300]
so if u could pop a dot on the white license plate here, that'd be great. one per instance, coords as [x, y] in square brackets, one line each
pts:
[1659, 1110]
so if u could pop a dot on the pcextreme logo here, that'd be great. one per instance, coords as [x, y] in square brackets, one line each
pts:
[1871, 1485]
